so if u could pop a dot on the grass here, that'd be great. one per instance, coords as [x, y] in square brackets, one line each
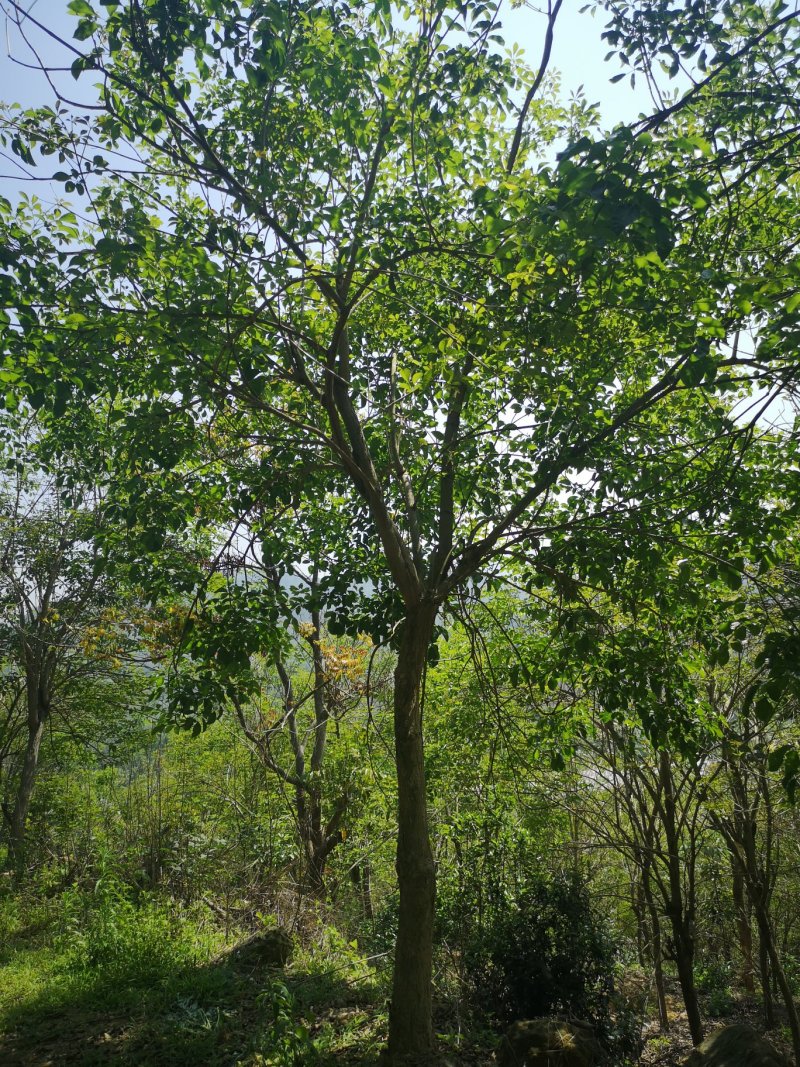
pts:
[101, 978]
[90, 979]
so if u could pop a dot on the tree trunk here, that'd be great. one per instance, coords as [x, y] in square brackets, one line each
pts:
[679, 910]
[317, 853]
[361, 875]
[19, 817]
[743, 927]
[684, 961]
[657, 952]
[315, 873]
[410, 1025]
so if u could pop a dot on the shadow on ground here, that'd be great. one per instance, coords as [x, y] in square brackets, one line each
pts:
[219, 1013]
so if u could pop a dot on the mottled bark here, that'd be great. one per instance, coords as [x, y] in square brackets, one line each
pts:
[410, 1027]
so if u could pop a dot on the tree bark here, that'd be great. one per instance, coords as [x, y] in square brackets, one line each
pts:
[679, 909]
[19, 817]
[410, 1025]
[742, 910]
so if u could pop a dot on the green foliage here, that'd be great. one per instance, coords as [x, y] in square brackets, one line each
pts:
[99, 955]
[545, 953]
[330, 944]
[288, 1042]
[714, 979]
[125, 942]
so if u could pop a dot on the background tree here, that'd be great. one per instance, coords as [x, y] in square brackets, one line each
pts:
[61, 624]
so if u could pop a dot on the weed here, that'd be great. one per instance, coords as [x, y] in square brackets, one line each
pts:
[714, 979]
[288, 1042]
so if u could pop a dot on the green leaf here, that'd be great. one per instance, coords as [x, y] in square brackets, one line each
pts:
[764, 709]
[777, 756]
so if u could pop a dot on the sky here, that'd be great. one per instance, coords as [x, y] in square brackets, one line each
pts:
[578, 53]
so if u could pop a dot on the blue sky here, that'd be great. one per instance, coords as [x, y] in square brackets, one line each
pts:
[578, 53]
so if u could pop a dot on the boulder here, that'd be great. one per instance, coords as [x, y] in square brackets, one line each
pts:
[549, 1043]
[735, 1046]
[631, 992]
[272, 948]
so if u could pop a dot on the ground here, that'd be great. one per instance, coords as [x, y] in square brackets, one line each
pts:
[671, 1049]
[178, 1009]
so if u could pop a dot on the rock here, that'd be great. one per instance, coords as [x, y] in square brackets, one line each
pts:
[631, 992]
[273, 948]
[549, 1043]
[735, 1046]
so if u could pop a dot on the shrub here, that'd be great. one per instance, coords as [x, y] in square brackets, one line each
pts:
[107, 932]
[547, 953]
[714, 979]
[383, 929]
[288, 1042]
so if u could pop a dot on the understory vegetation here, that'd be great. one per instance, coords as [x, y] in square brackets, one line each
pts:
[149, 860]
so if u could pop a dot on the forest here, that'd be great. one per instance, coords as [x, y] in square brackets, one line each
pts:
[399, 504]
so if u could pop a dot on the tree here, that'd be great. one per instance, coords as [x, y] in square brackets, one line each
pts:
[296, 692]
[57, 624]
[699, 649]
[341, 265]
[755, 698]
[660, 822]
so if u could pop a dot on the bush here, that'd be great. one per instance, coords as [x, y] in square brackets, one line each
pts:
[288, 1042]
[105, 931]
[547, 953]
[714, 979]
[382, 934]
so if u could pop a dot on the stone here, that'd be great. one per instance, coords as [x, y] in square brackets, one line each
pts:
[631, 992]
[735, 1046]
[272, 948]
[549, 1043]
